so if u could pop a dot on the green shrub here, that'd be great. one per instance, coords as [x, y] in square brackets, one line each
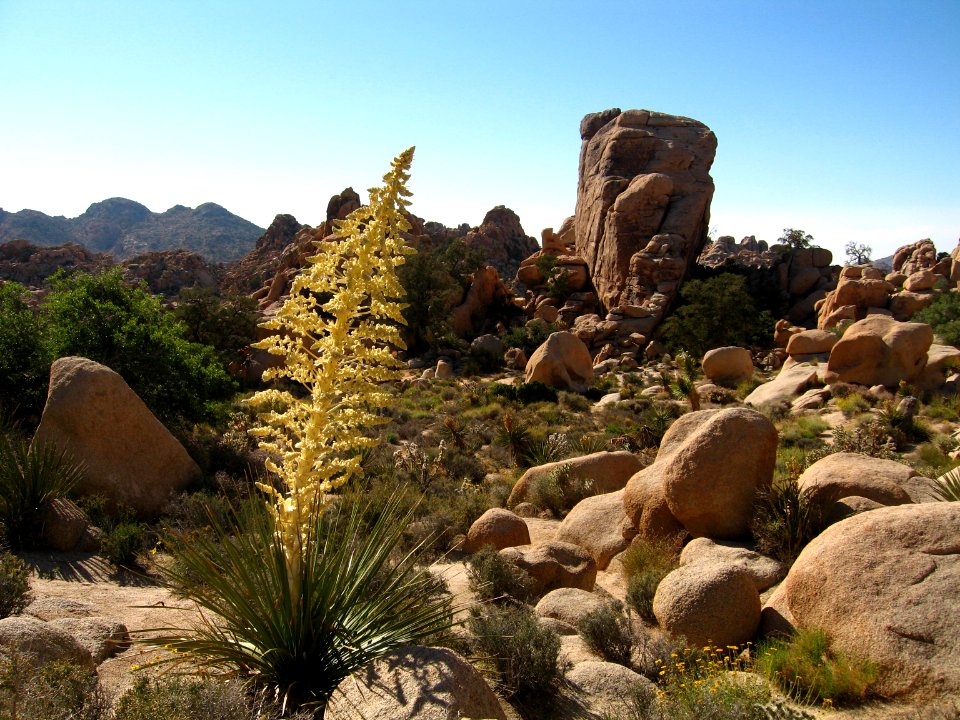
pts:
[523, 393]
[714, 313]
[550, 449]
[123, 544]
[808, 669]
[943, 315]
[24, 363]
[181, 698]
[803, 432]
[31, 477]
[58, 689]
[227, 323]
[785, 520]
[645, 564]
[353, 598]
[607, 631]
[530, 336]
[853, 404]
[871, 437]
[125, 328]
[14, 585]
[495, 578]
[560, 490]
[524, 654]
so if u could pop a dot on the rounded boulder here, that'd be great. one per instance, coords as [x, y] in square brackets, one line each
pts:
[728, 366]
[499, 528]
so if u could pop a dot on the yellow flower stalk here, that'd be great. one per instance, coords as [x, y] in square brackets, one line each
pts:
[335, 332]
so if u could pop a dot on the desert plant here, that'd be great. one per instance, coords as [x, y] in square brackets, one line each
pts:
[524, 654]
[58, 689]
[31, 477]
[795, 239]
[550, 449]
[14, 585]
[350, 603]
[514, 434]
[943, 315]
[857, 253]
[645, 564]
[810, 670]
[871, 437]
[24, 363]
[560, 490]
[184, 698]
[496, 578]
[419, 466]
[607, 631]
[947, 487]
[124, 543]
[785, 520]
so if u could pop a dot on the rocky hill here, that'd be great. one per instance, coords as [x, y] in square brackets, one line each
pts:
[125, 228]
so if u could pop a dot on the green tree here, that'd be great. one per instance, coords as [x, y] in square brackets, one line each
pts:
[717, 312]
[24, 364]
[796, 239]
[858, 253]
[227, 323]
[125, 328]
[943, 315]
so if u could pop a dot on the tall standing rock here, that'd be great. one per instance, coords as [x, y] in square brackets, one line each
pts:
[643, 204]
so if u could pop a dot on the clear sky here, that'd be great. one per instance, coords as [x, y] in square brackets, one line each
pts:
[841, 118]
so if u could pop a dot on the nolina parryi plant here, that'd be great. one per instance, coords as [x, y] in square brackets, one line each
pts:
[305, 595]
[336, 330]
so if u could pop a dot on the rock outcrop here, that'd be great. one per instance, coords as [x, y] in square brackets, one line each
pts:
[130, 458]
[502, 239]
[877, 583]
[247, 274]
[879, 350]
[170, 271]
[643, 205]
[31, 265]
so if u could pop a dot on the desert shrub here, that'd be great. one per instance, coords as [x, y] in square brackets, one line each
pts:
[24, 362]
[14, 585]
[353, 601]
[607, 631]
[560, 490]
[31, 477]
[803, 432]
[514, 434]
[530, 336]
[58, 689]
[496, 578]
[124, 543]
[125, 328]
[871, 437]
[714, 313]
[696, 683]
[785, 520]
[808, 669]
[524, 654]
[903, 427]
[645, 564]
[943, 315]
[931, 459]
[524, 393]
[550, 449]
[227, 323]
[182, 698]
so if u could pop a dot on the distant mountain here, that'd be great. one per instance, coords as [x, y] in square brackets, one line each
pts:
[125, 228]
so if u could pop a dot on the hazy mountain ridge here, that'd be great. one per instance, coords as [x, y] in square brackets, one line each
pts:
[125, 228]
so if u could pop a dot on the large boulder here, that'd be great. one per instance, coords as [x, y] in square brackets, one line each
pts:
[708, 603]
[498, 528]
[38, 643]
[790, 381]
[553, 564]
[647, 511]
[608, 471]
[102, 637]
[562, 361]
[711, 463]
[129, 456]
[426, 683]
[608, 689]
[844, 474]
[811, 342]
[643, 204]
[882, 585]
[597, 524]
[764, 571]
[879, 350]
[502, 239]
[570, 605]
[728, 366]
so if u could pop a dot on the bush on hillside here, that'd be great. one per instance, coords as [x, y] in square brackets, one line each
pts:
[714, 313]
[24, 365]
[943, 316]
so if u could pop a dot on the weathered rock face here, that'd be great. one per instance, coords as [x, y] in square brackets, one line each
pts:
[879, 350]
[842, 475]
[30, 264]
[710, 465]
[608, 471]
[486, 289]
[643, 203]
[170, 271]
[503, 240]
[415, 682]
[877, 583]
[562, 361]
[597, 524]
[249, 273]
[129, 456]
[554, 564]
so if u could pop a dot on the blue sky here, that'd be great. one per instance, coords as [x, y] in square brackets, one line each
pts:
[841, 118]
